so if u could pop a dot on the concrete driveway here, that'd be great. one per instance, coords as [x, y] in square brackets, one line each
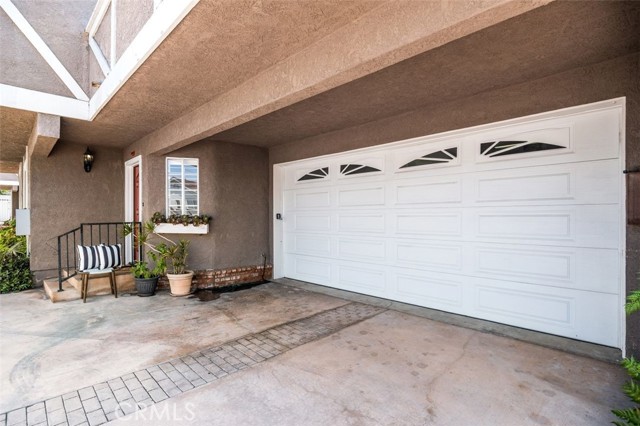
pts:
[278, 354]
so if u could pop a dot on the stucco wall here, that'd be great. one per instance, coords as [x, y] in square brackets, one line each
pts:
[63, 195]
[61, 24]
[610, 79]
[131, 17]
[233, 190]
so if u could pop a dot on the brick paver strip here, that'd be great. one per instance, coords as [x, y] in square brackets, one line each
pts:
[123, 395]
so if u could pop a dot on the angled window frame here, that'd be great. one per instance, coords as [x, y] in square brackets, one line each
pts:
[431, 159]
[560, 136]
[181, 162]
[402, 161]
[315, 175]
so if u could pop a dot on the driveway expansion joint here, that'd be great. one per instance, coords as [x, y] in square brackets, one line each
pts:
[118, 397]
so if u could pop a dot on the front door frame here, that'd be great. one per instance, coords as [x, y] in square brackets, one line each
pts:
[128, 199]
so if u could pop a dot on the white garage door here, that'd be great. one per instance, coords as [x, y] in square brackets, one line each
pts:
[518, 223]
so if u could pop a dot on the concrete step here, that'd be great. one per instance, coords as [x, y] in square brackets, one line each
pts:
[97, 286]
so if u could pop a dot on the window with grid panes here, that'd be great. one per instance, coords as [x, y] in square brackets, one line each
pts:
[182, 186]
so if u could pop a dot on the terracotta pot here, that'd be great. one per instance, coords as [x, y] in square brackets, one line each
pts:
[180, 283]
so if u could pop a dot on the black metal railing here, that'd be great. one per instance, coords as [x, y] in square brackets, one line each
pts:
[94, 234]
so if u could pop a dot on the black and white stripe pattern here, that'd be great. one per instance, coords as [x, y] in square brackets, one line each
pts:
[88, 258]
[110, 256]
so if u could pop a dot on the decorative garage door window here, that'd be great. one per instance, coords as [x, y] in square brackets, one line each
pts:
[182, 186]
[356, 169]
[438, 157]
[501, 148]
[315, 174]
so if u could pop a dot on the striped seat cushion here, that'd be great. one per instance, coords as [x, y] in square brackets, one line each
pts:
[88, 258]
[110, 256]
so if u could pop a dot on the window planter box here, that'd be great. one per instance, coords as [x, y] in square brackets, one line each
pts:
[169, 228]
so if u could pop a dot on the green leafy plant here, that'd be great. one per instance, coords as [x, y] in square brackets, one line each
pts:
[15, 272]
[163, 251]
[141, 269]
[185, 219]
[631, 416]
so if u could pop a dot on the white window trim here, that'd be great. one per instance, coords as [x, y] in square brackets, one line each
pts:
[166, 178]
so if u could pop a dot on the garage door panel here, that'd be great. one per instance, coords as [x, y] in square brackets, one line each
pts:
[361, 196]
[310, 244]
[543, 186]
[362, 249]
[307, 200]
[587, 136]
[531, 264]
[527, 307]
[312, 269]
[576, 183]
[434, 291]
[307, 222]
[433, 192]
[444, 224]
[579, 315]
[369, 279]
[584, 226]
[362, 223]
[571, 268]
[428, 256]
[517, 224]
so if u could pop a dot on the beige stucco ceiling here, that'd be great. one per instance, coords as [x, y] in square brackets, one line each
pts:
[548, 40]
[217, 45]
[220, 44]
[15, 128]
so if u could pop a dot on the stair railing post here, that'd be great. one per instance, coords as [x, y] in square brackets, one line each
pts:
[59, 264]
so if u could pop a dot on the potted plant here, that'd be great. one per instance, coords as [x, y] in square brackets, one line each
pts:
[175, 254]
[146, 279]
[167, 255]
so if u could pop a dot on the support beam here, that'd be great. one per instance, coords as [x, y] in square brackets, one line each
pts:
[102, 61]
[32, 100]
[365, 46]
[45, 134]
[42, 48]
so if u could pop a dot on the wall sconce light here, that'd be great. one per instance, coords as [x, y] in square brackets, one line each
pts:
[88, 160]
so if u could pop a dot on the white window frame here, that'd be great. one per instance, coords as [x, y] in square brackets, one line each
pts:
[183, 161]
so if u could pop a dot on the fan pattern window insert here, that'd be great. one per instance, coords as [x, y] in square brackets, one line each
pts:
[437, 157]
[315, 174]
[356, 169]
[501, 148]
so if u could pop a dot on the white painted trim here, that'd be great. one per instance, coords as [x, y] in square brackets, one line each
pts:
[278, 228]
[32, 100]
[97, 16]
[170, 228]
[128, 196]
[623, 226]
[97, 53]
[166, 17]
[113, 33]
[182, 160]
[43, 49]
